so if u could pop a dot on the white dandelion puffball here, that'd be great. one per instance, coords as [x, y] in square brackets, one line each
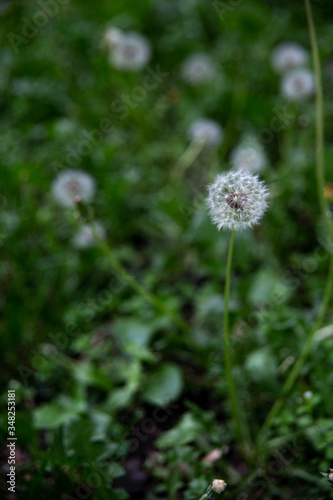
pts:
[112, 37]
[198, 68]
[206, 130]
[219, 485]
[287, 56]
[85, 238]
[237, 200]
[298, 84]
[71, 184]
[249, 156]
[131, 52]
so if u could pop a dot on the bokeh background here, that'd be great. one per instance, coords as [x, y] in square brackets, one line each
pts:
[113, 400]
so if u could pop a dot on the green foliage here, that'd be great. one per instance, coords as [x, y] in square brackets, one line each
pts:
[111, 395]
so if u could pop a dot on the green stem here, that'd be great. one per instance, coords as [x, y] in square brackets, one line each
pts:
[320, 177]
[242, 434]
[124, 276]
[320, 166]
[319, 109]
[237, 110]
[187, 159]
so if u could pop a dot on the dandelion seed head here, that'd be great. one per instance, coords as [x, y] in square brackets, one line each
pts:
[298, 84]
[84, 238]
[112, 37]
[71, 185]
[131, 52]
[237, 200]
[287, 56]
[219, 485]
[198, 69]
[206, 130]
[249, 156]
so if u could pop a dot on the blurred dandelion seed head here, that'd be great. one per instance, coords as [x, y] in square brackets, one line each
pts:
[219, 485]
[206, 130]
[71, 185]
[112, 37]
[131, 52]
[85, 238]
[198, 69]
[298, 84]
[287, 56]
[249, 156]
[237, 200]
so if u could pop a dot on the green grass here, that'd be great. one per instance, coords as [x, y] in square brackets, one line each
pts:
[95, 364]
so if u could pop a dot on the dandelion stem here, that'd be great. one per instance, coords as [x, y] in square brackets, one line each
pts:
[319, 109]
[124, 276]
[187, 159]
[320, 176]
[242, 434]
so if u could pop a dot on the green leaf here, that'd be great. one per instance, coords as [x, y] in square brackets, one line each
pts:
[164, 386]
[185, 431]
[261, 365]
[51, 415]
[132, 332]
[85, 438]
[87, 373]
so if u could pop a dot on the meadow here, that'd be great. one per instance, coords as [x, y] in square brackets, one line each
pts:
[166, 238]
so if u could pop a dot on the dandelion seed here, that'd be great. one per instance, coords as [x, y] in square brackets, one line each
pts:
[249, 156]
[298, 84]
[206, 130]
[287, 56]
[131, 52]
[198, 69]
[85, 237]
[71, 184]
[237, 200]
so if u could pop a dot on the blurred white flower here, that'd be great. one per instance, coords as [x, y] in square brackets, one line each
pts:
[112, 37]
[206, 130]
[70, 184]
[237, 200]
[219, 485]
[198, 68]
[85, 238]
[248, 155]
[131, 52]
[287, 56]
[298, 84]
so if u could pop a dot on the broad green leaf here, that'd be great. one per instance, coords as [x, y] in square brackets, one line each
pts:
[184, 432]
[164, 386]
